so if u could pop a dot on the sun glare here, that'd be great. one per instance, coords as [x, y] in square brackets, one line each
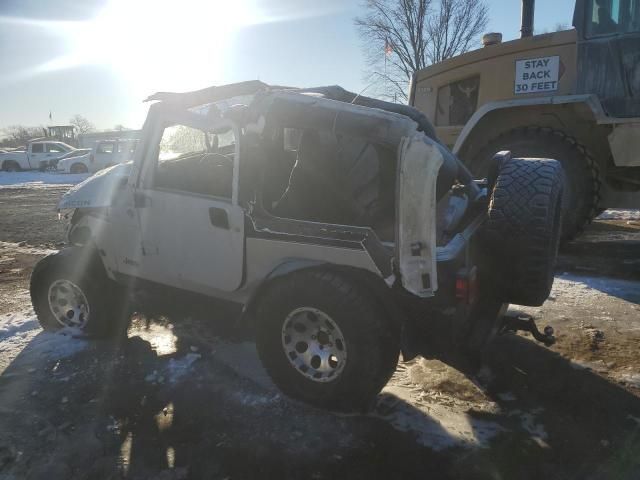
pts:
[162, 45]
[156, 45]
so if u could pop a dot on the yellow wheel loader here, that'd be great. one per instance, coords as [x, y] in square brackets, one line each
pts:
[572, 95]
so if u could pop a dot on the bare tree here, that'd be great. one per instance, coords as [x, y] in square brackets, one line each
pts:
[19, 135]
[402, 36]
[558, 27]
[82, 124]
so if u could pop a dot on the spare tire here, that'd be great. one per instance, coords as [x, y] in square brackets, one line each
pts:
[522, 232]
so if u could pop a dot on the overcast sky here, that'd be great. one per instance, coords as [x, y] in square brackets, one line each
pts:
[101, 58]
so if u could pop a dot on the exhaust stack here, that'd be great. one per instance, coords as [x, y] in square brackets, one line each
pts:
[528, 9]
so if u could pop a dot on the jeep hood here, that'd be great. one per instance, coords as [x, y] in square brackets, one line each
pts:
[99, 190]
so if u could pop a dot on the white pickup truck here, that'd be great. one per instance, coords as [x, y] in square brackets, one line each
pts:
[105, 153]
[36, 155]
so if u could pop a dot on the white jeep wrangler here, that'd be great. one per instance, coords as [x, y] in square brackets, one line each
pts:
[339, 222]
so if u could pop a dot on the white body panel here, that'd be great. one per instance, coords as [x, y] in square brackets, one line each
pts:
[104, 154]
[263, 256]
[20, 157]
[416, 230]
[99, 190]
[65, 164]
[183, 248]
[30, 160]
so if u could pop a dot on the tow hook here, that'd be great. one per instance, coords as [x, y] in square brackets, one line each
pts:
[526, 323]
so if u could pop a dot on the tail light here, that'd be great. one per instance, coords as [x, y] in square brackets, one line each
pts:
[467, 285]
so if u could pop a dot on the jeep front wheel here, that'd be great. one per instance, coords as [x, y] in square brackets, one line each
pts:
[324, 340]
[68, 290]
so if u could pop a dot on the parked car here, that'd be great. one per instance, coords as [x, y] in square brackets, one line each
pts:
[340, 224]
[36, 155]
[105, 153]
[78, 152]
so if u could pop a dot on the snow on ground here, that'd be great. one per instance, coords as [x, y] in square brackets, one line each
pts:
[10, 248]
[620, 214]
[431, 401]
[437, 419]
[20, 334]
[15, 323]
[36, 180]
[174, 370]
[425, 398]
[592, 290]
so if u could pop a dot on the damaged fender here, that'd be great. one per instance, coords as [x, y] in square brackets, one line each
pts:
[99, 190]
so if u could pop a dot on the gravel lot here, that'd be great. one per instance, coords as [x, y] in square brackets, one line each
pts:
[184, 396]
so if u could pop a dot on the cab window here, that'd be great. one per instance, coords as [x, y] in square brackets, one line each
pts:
[37, 148]
[127, 147]
[105, 148]
[457, 102]
[195, 161]
[54, 148]
[607, 17]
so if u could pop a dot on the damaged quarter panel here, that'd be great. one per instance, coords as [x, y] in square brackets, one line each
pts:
[420, 161]
[264, 256]
[273, 242]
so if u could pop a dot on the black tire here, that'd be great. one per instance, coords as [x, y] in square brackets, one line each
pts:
[10, 166]
[371, 344]
[582, 185]
[522, 232]
[107, 314]
[78, 168]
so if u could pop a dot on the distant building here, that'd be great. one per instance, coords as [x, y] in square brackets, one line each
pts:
[88, 140]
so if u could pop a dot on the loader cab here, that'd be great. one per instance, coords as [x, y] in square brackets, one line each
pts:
[609, 53]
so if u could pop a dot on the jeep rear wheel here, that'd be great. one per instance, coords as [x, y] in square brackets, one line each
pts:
[522, 233]
[324, 340]
[582, 183]
[68, 290]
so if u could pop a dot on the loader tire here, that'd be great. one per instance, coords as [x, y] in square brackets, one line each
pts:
[582, 181]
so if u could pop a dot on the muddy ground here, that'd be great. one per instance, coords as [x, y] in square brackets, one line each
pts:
[184, 396]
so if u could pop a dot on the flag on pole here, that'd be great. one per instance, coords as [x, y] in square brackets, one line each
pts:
[49, 114]
[388, 49]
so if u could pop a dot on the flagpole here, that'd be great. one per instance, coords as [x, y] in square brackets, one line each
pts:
[385, 73]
